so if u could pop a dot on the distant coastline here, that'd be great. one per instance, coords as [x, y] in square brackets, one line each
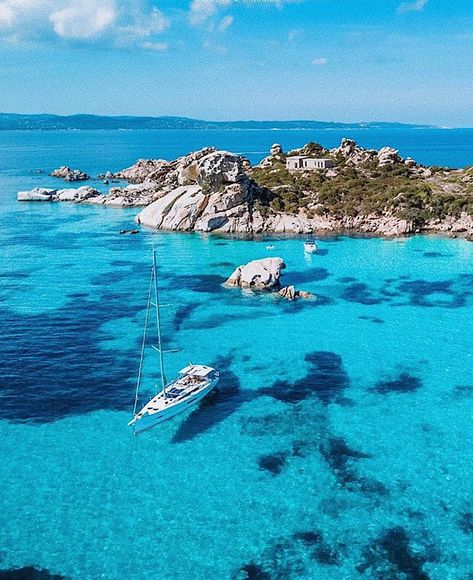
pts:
[46, 122]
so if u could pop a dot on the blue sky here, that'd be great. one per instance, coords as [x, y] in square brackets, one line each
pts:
[344, 60]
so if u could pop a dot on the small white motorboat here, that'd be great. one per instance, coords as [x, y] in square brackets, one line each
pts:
[310, 246]
[192, 384]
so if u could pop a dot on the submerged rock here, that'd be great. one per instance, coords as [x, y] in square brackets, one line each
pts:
[69, 174]
[258, 274]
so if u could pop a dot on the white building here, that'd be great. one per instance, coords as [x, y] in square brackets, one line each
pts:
[305, 162]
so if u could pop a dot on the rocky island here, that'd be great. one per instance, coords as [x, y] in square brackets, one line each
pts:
[311, 189]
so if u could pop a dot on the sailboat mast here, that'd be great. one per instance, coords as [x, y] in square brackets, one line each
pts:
[158, 322]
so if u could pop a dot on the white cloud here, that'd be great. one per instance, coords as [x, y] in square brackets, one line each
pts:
[7, 14]
[201, 10]
[213, 47]
[320, 61]
[144, 25]
[117, 22]
[293, 34]
[83, 20]
[225, 23]
[415, 6]
[156, 46]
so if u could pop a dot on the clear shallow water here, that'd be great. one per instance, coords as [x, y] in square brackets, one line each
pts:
[338, 445]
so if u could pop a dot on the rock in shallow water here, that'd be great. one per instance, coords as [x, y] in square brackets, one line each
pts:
[69, 174]
[79, 194]
[36, 194]
[258, 274]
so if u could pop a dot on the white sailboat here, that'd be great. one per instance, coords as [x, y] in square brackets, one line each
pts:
[192, 384]
[310, 246]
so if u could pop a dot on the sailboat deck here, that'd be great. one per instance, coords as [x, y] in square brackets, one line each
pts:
[175, 392]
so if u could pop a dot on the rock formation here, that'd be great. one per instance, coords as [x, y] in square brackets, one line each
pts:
[259, 274]
[211, 190]
[36, 194]
[80, 194]
[290, 293]
[69, 174]
[275, 154]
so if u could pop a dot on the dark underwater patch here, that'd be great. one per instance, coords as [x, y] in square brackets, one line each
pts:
[390, 557]
[274, 462]
[216, 407]
[340, 458]
[309, 538]
[183, 313]
[403, 383]
[222, 265]
[18, 275]
[465, 522]
[112, 277]
[435, 255]
[253, 572]
[422, 293]
[203, 283]
[361, 294]
[286, 557]
[347, 280]
[320, 550]
[326, 379]
[77, 295]
[217, 320]
[52, 365]
[308, 276]
[373, 319]
[122, 264]
[463, 391]
[29, 573]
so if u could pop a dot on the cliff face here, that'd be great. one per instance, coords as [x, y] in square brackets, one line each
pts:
[366, 190]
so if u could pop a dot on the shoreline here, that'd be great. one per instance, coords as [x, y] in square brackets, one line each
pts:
[346, 190]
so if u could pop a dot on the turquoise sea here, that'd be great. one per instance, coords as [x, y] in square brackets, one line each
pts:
[338, 445]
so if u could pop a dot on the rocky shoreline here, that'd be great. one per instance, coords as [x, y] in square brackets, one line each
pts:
[217, 191]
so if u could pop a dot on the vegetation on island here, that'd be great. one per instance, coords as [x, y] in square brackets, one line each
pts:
[368, 188]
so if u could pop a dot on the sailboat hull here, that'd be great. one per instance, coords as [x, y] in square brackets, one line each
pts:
[150, 420]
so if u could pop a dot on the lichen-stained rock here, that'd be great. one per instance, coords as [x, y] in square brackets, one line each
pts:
[220, 168]
[259, 274]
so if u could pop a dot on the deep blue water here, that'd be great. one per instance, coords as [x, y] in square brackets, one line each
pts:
[338, 444]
